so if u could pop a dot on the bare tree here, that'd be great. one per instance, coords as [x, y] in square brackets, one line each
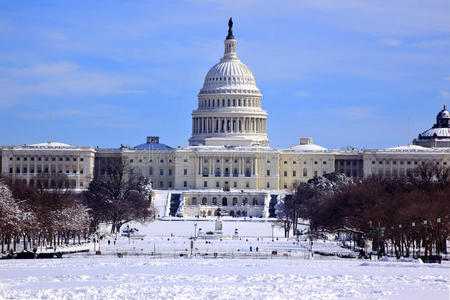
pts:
[118, 196]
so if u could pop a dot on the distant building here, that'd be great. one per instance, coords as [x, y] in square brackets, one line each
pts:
[437, 136]
[228, 164]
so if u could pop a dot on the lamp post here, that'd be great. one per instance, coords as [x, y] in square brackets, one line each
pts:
[273, 227]
[438, 238]
[413, 224]
[195, 230]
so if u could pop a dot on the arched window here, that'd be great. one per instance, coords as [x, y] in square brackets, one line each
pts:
[224, 201]
[194, 201]
[204, 201]
[255, 201]
[209, 213]
[214, 201]
[245, 201]
[235, 201]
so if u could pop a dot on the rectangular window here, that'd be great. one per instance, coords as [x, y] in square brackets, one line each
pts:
[217, 184]
[285, 173]
[268, 185]
[205, 184]
[170, 171]
[268, 173]
[161, 184]
[150, 171]
[185, 172]
[185, 183]
[294, 173]
[161, 172]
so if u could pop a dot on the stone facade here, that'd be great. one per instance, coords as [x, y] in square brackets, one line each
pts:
[42, 164]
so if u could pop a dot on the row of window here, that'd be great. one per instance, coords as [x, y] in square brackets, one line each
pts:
[25, 158]
[228, 102]
[161, 161]
[224, 201]
[39, 171]
[205, 184]
[401, 162]
[304, 162]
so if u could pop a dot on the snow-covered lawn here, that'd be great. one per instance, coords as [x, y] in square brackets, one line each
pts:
[109, 277]
[289, 274]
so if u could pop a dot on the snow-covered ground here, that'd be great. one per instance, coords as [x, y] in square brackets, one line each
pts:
[147, 268]
[108, 277]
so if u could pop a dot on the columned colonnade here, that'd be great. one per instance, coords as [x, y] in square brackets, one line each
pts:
[229, 125]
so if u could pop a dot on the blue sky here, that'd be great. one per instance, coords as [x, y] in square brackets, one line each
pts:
[369, 74]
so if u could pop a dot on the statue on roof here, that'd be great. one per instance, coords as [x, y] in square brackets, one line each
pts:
[230, 29]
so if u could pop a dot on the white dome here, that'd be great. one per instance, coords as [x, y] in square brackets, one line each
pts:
[436, 132]
[229, 74]
[229, 104]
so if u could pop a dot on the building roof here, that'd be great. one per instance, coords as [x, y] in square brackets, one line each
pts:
[407, 148]
[153, 144]
[308, 147]
[51, 145]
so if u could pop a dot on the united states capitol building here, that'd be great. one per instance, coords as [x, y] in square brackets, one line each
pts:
[229, 163]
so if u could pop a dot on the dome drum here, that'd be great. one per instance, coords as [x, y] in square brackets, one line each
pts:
[229, 105]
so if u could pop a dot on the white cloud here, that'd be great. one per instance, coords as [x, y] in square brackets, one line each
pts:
[302, 94]
[65, 78]
[447, 78]
[355, 112]
[445, 94]
[391, 42]
[55, 36]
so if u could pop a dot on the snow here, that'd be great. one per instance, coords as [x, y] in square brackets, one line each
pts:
[51, 145]
[308, 147]
[104, 277]
[407, 148]
[237, 272]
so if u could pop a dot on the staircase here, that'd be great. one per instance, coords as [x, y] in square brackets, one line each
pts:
[174, 204]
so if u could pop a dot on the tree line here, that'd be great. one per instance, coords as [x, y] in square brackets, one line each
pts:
[402, 212]
[37, 216]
